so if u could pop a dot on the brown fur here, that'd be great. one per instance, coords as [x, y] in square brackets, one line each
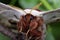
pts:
[33, 24]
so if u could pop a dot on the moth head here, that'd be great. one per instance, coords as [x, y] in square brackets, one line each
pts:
[31, 14]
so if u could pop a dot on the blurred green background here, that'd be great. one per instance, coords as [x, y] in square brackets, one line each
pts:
[53, 29]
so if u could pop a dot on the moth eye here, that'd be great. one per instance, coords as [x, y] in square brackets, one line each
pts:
[31, 17]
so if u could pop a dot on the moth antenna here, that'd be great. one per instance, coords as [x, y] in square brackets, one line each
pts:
[36, 7]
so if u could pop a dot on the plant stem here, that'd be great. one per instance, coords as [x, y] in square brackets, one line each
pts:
[46, 4]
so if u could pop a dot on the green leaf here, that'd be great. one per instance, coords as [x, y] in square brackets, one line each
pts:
[28, 3]
[43, 8]
[3, 37]
[49, 35]
[55, 3]
[56, 30]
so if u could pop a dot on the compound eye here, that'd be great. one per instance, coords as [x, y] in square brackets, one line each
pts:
[31, 18]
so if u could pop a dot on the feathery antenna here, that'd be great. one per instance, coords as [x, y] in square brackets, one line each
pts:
[35, 7]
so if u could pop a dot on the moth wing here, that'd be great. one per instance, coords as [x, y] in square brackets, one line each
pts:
[10, 12]
[9, 7]
[51, 16]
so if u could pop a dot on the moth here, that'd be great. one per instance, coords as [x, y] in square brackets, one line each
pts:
[27, 24]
